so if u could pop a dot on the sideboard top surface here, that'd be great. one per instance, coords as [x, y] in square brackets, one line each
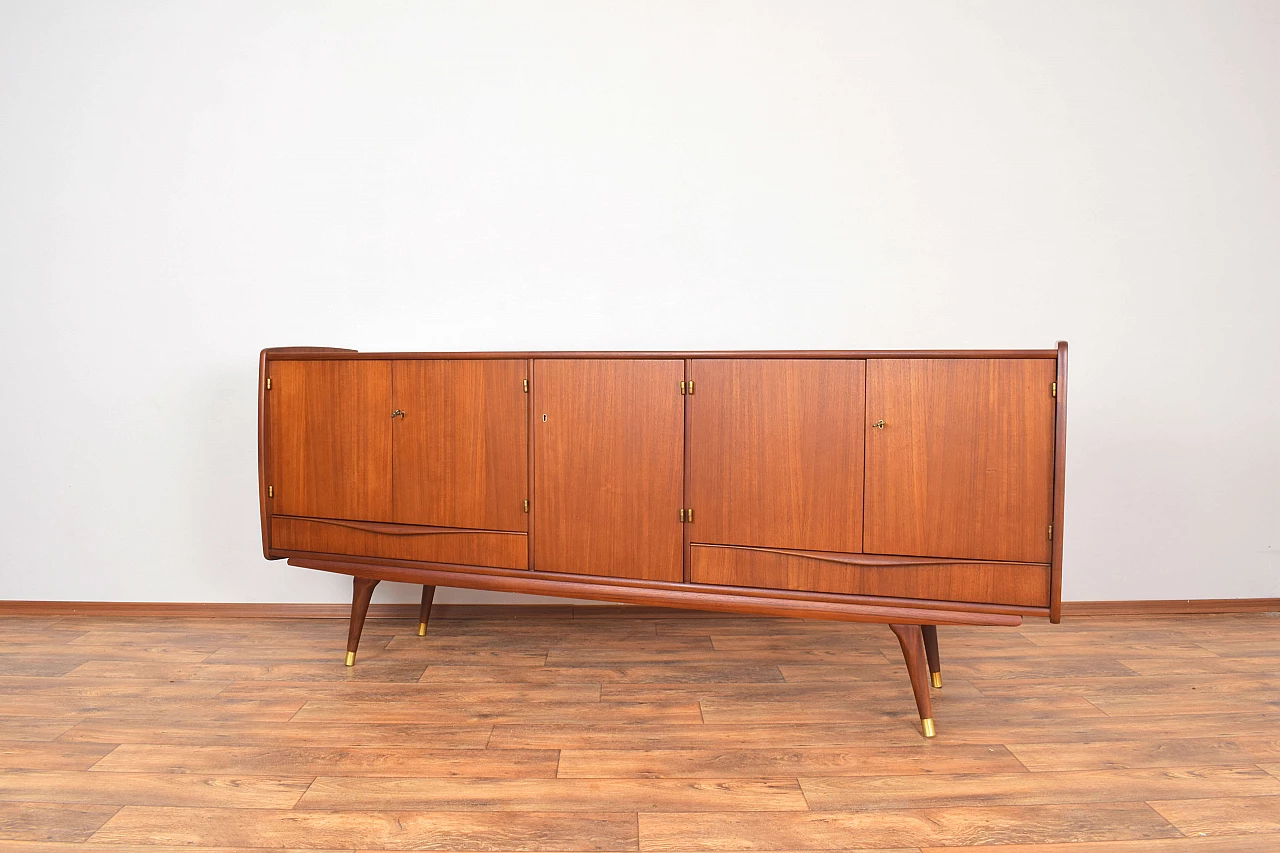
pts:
[297, 353]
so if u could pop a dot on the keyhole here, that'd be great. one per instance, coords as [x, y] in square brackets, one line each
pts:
[544, 419]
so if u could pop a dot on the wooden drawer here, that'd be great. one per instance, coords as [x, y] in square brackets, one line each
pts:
[401, 542]
[1024, 584]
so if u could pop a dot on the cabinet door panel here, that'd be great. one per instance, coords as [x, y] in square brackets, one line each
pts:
[963, 466]
[461, 457]
[775, 452]
[331, 439]
[608, 467]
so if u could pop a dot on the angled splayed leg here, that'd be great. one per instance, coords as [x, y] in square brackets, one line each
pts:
[931, 652]
[911, 638]
[424, 612]
[361, 593]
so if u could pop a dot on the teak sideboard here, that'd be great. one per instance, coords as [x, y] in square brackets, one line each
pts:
[916, 489]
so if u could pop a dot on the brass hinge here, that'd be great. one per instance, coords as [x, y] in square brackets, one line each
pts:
[1050, 531]
[686, 387]
[268, 383]
[526, 506]
[526, 386]
[1053, 389]
[686, 516]
[271, 491]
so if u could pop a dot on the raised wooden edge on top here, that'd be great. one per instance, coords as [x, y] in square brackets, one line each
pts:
[318, 353]
[1059, 487]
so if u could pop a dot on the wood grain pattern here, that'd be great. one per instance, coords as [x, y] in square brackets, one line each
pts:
[437, 545]
[636, 729]
[999, 583]
[383, 830]
[330, 427]
[954, 827]
[608, 476]
[776, 452]
[460, 448]
[964, 464]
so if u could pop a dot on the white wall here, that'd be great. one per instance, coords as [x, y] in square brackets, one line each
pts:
[182, 184]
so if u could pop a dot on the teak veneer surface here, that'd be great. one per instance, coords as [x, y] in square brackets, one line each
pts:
[776, 452]
[999, 583]
[473, 547]
[330, 439]
[608, 467]
[963, 466]
[625, 729]
[461, 455]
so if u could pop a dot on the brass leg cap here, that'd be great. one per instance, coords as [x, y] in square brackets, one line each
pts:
[935, 678]
[422, 629]
[927, 725]
[351, 658]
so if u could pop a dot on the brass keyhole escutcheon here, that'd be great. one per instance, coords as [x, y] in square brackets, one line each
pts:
[544, 419]
[878, 424]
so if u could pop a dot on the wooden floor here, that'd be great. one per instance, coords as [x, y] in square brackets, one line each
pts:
[565, 729]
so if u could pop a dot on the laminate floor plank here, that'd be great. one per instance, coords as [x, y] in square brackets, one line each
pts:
[639, 674]
[152, 789]
[1222, 816]
[238, 733]
[570, 728]
[498, 712]
[565, 795]
[314, 761]
[24, 821]
[382, 830]
[729, 763]
[1172, 752]
[51, 755]
[953, 827]
[936, 790]
[1234, 844]
[649, 736]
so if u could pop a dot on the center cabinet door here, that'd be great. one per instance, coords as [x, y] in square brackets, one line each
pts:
[608, 465]
[461, 455]
[962, 464]
[775, 450]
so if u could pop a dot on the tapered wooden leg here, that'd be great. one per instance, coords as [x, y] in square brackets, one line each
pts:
[361, 592]
[911, 638]
[931, 652]
[424, 612]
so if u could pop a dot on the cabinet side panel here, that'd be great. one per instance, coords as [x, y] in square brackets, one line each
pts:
[466, 547]
[608, 467]
[963, 466]
[982, 583]
[776, 452]
[331, 439]
[460, 447]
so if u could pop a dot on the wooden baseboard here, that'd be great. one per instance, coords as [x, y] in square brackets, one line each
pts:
[410, 611]
[1175, 606]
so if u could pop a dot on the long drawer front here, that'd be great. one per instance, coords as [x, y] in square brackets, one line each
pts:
[1025, 584]
[401, 542]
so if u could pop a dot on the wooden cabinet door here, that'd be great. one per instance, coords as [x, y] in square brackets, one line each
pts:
[331, 439]
[460, 450]
[608, 466]
[963, 466]
[775, 453]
